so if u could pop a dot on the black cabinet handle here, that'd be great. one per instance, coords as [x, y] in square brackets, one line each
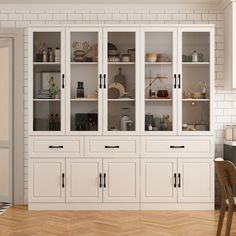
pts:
[100, 81]
[56, 146]
[176, 146]
[63, 180]
[179, 180]
[175, 80]
[179, 80]
[104, 177]
[100, 180]
[112, 146]
[63, 81]
[175, 183]
[104, 76]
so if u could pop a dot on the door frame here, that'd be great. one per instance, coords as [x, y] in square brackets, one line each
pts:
[17, 36]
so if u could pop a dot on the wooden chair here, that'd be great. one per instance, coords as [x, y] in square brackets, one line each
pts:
[226, 172]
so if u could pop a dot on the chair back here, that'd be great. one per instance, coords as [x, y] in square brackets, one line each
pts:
[226, 172]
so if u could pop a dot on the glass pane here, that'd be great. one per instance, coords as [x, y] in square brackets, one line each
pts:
[84, 81]
[196, 81]
[158, 81]
[47, 81]
[121, 81]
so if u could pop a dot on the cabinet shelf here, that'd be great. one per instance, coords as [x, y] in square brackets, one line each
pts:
[158, 100]
[121, 100]
[121, 63]
[83, 63]
[196, 63]
[46, 63]
[158, 63]
[84, 100]
[46, 100]
[195, 100]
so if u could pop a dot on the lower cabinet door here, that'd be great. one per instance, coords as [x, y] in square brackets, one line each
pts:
[121, 180]
[158, 180]
[84, 180]
[196, 178]
[46, 180]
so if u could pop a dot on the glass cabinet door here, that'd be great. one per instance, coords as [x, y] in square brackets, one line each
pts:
[194, 80]
[83, 90]
[159, 81]
[48, 80]
[121, 80]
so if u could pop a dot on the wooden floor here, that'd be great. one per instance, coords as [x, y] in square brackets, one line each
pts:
[18, 221]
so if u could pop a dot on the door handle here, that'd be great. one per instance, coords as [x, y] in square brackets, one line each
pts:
[175, 183]
[179, 177]
[179, 76]
[56, 146]
[63, 81]
[104, 183]
[175, 80]
[112, 146]
[100, 180]
[63, 180]
[104, 85]
[177, 147]
[100, 81]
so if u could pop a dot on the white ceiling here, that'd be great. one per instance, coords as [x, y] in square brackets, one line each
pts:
[110, 1]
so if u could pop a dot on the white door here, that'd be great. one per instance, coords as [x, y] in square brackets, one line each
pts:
[121, 80]
[6, 68]
[84, 81]
[121, 180]
[195, 180]
[47, 180]
[84, 180]
[158, 180]
[159, 80]
[195, 80]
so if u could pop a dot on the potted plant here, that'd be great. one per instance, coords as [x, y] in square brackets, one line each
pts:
[53, 88]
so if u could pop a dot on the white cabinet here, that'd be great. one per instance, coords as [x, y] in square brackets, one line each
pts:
[47, 180]
[158, 180]
[177, 180]
[121, 180]
[83, 180]
[230, 45]
[196, 178]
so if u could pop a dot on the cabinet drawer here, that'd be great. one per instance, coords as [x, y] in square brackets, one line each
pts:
[111, 147]
[152, 146]
[57, 146]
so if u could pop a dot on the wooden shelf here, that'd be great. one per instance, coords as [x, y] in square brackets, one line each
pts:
[46, 100]
[158, 100]
[121, 100]
[195, 100]
[84, 100]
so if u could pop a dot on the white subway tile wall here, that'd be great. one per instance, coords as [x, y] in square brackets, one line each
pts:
[225, 100]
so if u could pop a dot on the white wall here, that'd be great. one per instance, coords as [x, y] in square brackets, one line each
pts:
[225, 111]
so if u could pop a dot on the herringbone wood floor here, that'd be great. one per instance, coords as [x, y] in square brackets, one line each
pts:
[18, 221]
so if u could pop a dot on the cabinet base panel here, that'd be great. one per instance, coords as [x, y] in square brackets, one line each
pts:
[121, 206]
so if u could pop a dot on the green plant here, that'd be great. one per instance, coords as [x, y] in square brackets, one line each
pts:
[53, 88]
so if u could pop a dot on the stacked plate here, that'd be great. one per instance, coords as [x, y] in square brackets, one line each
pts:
[44, 94]
[113, 53]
